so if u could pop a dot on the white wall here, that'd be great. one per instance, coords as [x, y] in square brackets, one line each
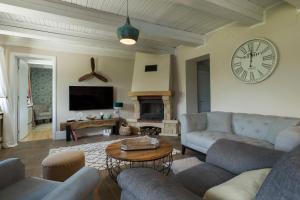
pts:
[278, 95]
[71, 66]
[151, 81]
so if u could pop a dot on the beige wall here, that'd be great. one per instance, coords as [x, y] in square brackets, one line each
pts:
[71, 66]
[278, 95]
[151, 81]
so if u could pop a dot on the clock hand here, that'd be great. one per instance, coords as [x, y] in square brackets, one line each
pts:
[251, 55]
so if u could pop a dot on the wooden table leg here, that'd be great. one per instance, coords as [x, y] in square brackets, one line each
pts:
[68, 133]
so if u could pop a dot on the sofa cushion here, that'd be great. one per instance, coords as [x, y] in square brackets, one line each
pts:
[193, 122]
[184, 164]
[283, 182]
[148, 184]
[244, 186]
[260, 126]
[238, 157]
[205, 139]
[288, 139]
[219, 121]
[202, 177]
[28, 189]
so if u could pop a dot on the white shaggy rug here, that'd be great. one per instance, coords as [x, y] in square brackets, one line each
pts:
[94, 153]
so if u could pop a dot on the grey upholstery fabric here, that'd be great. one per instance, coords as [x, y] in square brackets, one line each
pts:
[11, 171]
[219, 121]
[283, 181]
[41, 112]
[288, 139]
[193, 122]
[14, 185]
[125, 195]
[203, 140]
[202, 177]
[260, 130]
[261, 126]
[28, 189]
[77, 187]
[238, 157]
[147, 184]
[225, 159]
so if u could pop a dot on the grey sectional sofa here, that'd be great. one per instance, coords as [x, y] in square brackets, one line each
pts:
[200, 131]
[15, 186]
[225, 160]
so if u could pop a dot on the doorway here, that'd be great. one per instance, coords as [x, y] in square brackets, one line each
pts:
[34, 85]
[203, 86]
[198, 84]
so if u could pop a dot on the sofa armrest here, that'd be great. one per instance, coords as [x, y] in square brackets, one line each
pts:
[288, 139]
[80, 186]
[148, 184]
[11, 171]
[193, 122]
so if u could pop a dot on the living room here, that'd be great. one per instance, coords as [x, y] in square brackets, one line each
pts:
[153, 99]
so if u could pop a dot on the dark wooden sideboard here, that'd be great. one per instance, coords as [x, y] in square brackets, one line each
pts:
[76, 125]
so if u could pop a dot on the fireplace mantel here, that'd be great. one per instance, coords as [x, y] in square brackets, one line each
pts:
[150, 93]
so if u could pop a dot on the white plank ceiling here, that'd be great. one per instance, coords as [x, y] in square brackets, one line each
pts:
[164, 24]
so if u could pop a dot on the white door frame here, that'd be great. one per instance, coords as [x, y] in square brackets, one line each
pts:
[13, 80]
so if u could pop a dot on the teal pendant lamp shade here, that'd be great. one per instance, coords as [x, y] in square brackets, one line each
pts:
[118, 105]
[127, 34]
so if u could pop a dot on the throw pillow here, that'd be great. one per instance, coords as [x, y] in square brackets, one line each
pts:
[283, 183]
[242, 187]
[288, 139]
[219, 121]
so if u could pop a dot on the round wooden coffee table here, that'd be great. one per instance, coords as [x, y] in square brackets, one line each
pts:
[159, 159]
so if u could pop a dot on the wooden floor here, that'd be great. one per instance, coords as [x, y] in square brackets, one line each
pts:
[39, 132]
[32, 154]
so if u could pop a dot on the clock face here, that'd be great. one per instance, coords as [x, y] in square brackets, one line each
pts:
[254, 61]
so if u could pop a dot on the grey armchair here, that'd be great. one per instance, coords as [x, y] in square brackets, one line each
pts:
[15, 186]
[42, 112]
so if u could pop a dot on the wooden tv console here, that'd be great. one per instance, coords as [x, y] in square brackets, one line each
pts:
[76, 125]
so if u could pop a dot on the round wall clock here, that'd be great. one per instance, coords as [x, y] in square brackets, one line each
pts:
[254, 61]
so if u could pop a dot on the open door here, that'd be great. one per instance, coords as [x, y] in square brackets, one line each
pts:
[203, 79]
[22, 99]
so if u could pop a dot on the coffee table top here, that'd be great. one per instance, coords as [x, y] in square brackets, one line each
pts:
[114, 150]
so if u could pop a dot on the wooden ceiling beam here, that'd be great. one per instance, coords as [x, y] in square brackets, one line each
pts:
[242, 11]
[70, 13]
[42, 33]
[295, 3]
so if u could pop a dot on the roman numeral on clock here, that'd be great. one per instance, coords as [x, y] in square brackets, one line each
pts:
[244, 75]
[265, 50]
[258, 46]
[238, 70]
[238, 64]
[267, 66]
[260, 73]
[250, 46]
[252, 77]
[243, 50]
[269, 57]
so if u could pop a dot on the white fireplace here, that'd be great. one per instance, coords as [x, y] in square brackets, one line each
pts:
[152, 96]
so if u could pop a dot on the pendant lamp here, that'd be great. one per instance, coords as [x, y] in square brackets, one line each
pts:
[127, 34]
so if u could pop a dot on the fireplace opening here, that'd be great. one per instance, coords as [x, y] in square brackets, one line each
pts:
[151, 108]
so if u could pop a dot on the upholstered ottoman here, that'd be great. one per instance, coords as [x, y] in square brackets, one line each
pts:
[60, 166]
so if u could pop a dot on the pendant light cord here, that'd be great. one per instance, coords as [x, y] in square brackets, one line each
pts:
[127, 8]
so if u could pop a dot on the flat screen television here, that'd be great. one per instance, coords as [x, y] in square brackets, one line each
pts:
[90, 98]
